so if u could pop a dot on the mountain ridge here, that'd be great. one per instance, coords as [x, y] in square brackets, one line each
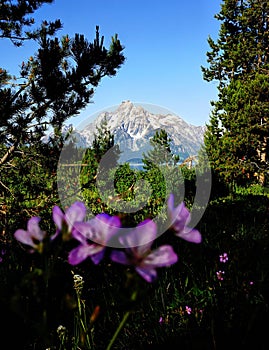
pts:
[133, 126]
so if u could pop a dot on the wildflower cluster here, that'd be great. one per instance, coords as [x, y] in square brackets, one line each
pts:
[94, 236]
[185, 312]
[223, 258]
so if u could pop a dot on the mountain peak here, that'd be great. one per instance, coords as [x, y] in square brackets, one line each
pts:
[126, 103]
[127, 108]
[134, 125]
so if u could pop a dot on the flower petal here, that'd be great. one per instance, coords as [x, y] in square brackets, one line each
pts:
[76, 212]
[170, 202]
[149, 274]
[24, 237]
[179, 213]
[141, 237]
[34, 229]
[119, 257]
[82, 231]
[83, 251]
[33, 235]
[183, 214]
[181, 217]
[96, 258]
[190, 235]
[173, 212]
[58, 216]
[108, 226]
[78, 254]
[162, 256]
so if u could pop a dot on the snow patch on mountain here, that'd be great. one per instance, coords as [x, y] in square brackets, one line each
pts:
[133, 126]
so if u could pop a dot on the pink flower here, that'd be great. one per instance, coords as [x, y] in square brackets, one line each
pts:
[220, 275]
[33, 236]
[140, 254]
[93, 236]
[65, 221]
[188, 310]
[180, 217]
[223, 258]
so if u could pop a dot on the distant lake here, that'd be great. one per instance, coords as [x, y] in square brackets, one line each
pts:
[137, 166]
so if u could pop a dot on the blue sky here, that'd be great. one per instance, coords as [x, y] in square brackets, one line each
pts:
[165, 45]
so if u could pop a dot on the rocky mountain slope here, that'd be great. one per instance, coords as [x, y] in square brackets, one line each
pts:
[133, 126]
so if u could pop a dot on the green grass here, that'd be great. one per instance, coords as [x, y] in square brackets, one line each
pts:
[221, 310]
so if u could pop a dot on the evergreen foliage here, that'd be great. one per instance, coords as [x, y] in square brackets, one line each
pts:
[237, 136]
[14, 18]
[161, 153]
[160, 170]
[54, 83]
[97, 167]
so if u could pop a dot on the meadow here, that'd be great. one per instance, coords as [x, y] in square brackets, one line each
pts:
[214, 296]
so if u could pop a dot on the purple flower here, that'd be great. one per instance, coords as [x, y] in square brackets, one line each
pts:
[33, 236]
[139, 252]
[93, 237]
[180, 217]
[65, 221]
[2, 254]
[223, 258]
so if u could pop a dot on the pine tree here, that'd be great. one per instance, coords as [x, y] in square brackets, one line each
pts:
[161, 153]
[105, 151]
[161, 172]
[236, 140]
[102, 159]
[103, 142]
[14, 18]
[53, 84]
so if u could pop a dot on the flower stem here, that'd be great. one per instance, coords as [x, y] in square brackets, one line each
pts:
[121, 325]
[123, 321]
